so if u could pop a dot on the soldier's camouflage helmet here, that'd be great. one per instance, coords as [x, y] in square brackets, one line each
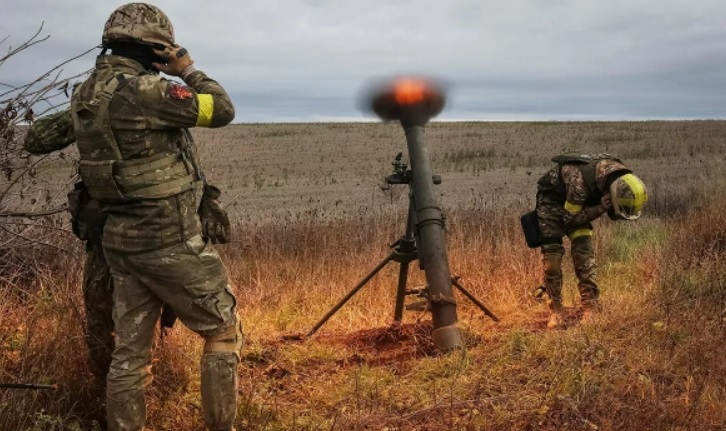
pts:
[138, 22]
[628, 196]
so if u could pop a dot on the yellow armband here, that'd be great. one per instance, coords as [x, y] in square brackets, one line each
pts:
[572, 208]
[206, 109]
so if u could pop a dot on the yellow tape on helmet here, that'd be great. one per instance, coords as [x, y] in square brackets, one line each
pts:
[640, 196]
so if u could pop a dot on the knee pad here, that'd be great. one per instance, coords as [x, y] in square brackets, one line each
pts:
[228, 341]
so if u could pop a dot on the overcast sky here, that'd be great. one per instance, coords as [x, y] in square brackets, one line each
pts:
[307, 60]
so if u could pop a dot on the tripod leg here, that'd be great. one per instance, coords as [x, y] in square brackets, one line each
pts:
[472, 298]
[352, 292]
[401, 294]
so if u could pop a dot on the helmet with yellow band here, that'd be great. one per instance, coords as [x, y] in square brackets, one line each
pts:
[628, 196]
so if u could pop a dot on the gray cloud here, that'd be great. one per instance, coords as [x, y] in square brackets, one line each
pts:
[304, 60]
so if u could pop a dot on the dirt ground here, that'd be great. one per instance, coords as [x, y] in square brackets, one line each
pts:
[268, 170]
[312, 215]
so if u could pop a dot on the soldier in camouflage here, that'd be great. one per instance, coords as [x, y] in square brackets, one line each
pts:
[577, 190]
[139, 162]
[87, 221]
[52, 133]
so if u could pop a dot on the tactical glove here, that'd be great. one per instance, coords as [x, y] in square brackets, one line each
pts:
[176, 59]
[215, 224]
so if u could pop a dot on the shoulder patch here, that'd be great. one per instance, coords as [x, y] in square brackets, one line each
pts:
[146, 82]
[179, 92]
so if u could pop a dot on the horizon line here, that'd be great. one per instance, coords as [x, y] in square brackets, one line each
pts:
[370, 121]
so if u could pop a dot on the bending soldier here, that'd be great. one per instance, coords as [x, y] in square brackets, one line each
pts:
[139, 162]
[578, 190]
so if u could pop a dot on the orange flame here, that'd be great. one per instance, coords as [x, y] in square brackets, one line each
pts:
[409, 91]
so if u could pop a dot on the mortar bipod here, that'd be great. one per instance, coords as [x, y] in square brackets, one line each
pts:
[404, 251]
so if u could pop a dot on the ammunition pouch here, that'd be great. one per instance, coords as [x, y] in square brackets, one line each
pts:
[530, 227]
[87, 220]
[98, 176]
[154, 177]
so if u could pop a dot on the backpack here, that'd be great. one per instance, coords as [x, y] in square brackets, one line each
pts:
[586, 164]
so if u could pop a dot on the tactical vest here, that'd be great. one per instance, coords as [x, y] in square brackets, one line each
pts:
[586, 163]
[107, 176]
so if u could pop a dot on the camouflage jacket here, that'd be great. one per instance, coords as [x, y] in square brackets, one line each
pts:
[50, 133]
[149, 116]
[565, 186]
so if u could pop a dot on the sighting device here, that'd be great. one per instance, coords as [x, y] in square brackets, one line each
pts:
[413, 101]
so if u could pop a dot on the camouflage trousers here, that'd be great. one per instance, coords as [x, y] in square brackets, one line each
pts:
[553, 229]
[98, 302]
[191, 278]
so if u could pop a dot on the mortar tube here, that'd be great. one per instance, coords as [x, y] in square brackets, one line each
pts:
[432, 247]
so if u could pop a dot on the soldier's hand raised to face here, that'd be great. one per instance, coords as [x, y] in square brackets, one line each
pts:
[177, 60]
[606, 202]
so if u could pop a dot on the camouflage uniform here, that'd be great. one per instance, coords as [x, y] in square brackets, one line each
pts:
[88, 220]
[52, 133]
[98, 302]
[568, 200]
[137, 158]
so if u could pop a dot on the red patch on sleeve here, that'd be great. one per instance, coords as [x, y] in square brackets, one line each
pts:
[180, 92]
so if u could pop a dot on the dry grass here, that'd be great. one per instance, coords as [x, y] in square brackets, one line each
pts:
[312, 220]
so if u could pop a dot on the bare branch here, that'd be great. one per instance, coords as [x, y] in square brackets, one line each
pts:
[8, 85]
[26, 386]
[25, 87]
[33, 241]
[13, 182]
[34, 214]
[29, 204]
[28, 43]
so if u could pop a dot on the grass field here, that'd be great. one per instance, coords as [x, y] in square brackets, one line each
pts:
[311, 219]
